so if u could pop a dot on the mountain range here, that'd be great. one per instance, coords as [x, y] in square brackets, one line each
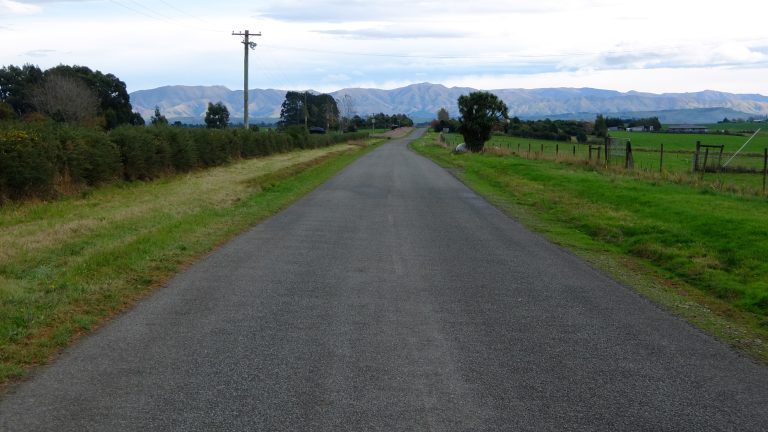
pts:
[422, 101]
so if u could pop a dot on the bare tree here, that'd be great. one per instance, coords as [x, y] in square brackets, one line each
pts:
[65, 98]
[347, 107]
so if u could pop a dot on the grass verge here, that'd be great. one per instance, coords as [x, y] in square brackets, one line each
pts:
[698, 252]
[69, 265]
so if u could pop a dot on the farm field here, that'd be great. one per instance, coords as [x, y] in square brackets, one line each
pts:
[679, 150]
[688, 141]
[740, 127]
[69, 264]
[677, 157]
[702, 245]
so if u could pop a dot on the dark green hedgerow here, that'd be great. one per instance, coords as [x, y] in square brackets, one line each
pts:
[43, 160]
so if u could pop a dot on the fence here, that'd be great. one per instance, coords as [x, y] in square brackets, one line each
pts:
[618, 152]
[708, 161]
[738, 172]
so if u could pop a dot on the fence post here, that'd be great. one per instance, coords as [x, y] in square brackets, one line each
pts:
[720, 158]
[518, 149]
[695, 166]
[557, 150]
[765, 167]
[629, 160]
[574, 150]
[704, 167]
[542, 151]
[661, 158]
[529, 150]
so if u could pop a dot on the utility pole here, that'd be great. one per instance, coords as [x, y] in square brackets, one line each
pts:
[252, 45]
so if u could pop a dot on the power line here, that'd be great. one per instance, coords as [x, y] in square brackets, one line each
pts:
[181, 11]
[155, 15]
[510, 56]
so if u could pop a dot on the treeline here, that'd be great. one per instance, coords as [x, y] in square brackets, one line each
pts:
[553, 130]
[322, 110]
[648, 122]
[301, 108]
[74, 94]
[381, 120]
[45, 159]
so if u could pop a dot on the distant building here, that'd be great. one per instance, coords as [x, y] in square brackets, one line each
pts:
[688, 128]
[640, 129]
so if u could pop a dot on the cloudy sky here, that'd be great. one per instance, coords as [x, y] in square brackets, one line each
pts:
[651, 45]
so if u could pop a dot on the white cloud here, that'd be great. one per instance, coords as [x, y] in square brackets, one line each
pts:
[662, 80]
[39, 53]
[338, 43]
[18, 8]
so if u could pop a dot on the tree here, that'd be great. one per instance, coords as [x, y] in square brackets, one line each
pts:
[291, 111]
[16, 86]
[601, 127]
[65, 98]
[217, 116]
[158, 119]
[114, 101]
[299, 108]
[137, 120]
[480, 113]
[442, 115]
[347, 112]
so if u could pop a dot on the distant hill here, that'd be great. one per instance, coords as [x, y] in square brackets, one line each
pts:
[187, 103]
[422, 101]
[681, 116]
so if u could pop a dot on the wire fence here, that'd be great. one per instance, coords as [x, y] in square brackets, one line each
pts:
[738, 171]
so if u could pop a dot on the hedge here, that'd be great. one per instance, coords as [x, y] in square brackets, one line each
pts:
[44, 160]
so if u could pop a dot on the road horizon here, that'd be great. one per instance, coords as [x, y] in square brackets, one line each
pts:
[393, 298]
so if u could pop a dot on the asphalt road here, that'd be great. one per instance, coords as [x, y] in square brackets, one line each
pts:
[393, 298]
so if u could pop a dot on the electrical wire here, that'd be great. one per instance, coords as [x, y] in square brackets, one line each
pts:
[648, 51]
[155, 15]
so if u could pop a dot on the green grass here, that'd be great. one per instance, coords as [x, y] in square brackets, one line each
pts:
[677, 158]
[688, 141]
[740, 127]
[707, 243]
[68, 265]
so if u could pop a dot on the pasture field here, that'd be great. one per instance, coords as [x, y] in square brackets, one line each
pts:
[68, 265]
[740, 127]
[704, 249]
[653, 141]
[677, 157]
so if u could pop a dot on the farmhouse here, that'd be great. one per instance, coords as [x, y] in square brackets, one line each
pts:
[687, 128]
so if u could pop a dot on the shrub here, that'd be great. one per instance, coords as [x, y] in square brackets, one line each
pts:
[27, 162]
[137, 151]
[44, 158]
[88, 156]
[182, 148]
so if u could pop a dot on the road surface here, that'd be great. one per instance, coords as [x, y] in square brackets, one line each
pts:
[392, 299]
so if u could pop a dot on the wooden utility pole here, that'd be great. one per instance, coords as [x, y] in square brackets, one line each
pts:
[248, 45]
